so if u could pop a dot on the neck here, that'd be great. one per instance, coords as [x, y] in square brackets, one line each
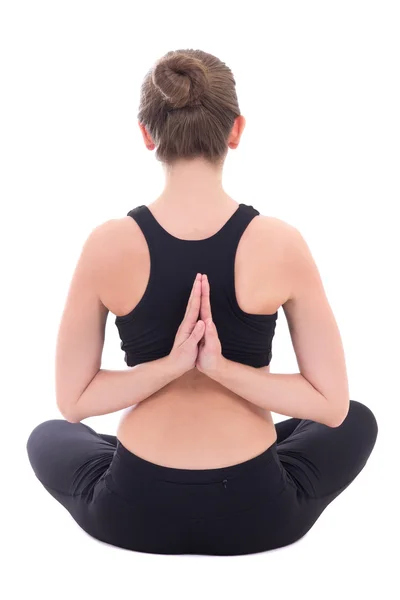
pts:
[192, 184]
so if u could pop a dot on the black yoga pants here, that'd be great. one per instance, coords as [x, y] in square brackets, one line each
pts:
[267, 502]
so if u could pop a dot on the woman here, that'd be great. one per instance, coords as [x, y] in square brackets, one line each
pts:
[195, 281]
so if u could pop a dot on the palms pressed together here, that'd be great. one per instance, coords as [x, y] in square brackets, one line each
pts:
[197, 344]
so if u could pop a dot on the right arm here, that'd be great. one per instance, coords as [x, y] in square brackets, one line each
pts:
[319, 392]
[314, 331]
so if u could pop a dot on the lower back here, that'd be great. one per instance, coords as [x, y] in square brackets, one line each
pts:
[195, 423]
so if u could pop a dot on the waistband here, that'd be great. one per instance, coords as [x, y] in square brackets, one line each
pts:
[126, 460]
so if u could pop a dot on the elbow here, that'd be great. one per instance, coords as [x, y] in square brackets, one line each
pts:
[335, 421]
[338, 414]
[72, 419]
[69, 412]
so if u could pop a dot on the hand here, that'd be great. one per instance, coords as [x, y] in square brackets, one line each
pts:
[184, 351]
[210, 352]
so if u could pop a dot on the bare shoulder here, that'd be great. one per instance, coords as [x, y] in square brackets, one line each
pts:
[108, 239]
[275, 224]
[288, 235]
[113, 228]
[282, 235]
[286, 252]
[297, 256]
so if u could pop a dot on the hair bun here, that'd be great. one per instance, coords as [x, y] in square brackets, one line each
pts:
[181, 79]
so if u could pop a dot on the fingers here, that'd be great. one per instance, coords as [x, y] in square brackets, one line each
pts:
[198, 331]
[193, 306]
[197, 278]
[205, 309]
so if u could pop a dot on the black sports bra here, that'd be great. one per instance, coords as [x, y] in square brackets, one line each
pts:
[149, 330]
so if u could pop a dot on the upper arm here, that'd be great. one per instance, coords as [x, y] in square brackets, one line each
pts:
[81, 332]
[314, 332]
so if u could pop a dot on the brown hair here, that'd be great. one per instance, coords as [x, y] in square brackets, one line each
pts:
[188, 104]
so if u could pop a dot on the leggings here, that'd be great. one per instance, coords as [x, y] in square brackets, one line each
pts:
[266, 502]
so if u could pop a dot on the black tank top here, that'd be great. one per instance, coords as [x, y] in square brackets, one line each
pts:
[148, 331]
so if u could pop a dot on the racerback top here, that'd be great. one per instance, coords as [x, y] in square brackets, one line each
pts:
[148, 331]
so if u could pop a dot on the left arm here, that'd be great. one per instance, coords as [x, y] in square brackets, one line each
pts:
[83, 389]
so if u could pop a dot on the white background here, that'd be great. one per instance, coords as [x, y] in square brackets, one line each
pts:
[319, 85]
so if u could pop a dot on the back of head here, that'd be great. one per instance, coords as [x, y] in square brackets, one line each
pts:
[188, 104]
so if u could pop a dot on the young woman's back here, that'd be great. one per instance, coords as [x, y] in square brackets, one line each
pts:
[196, 281]
[194, 422]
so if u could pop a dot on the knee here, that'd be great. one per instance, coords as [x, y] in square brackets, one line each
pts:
[364, 421]
[38, 445]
